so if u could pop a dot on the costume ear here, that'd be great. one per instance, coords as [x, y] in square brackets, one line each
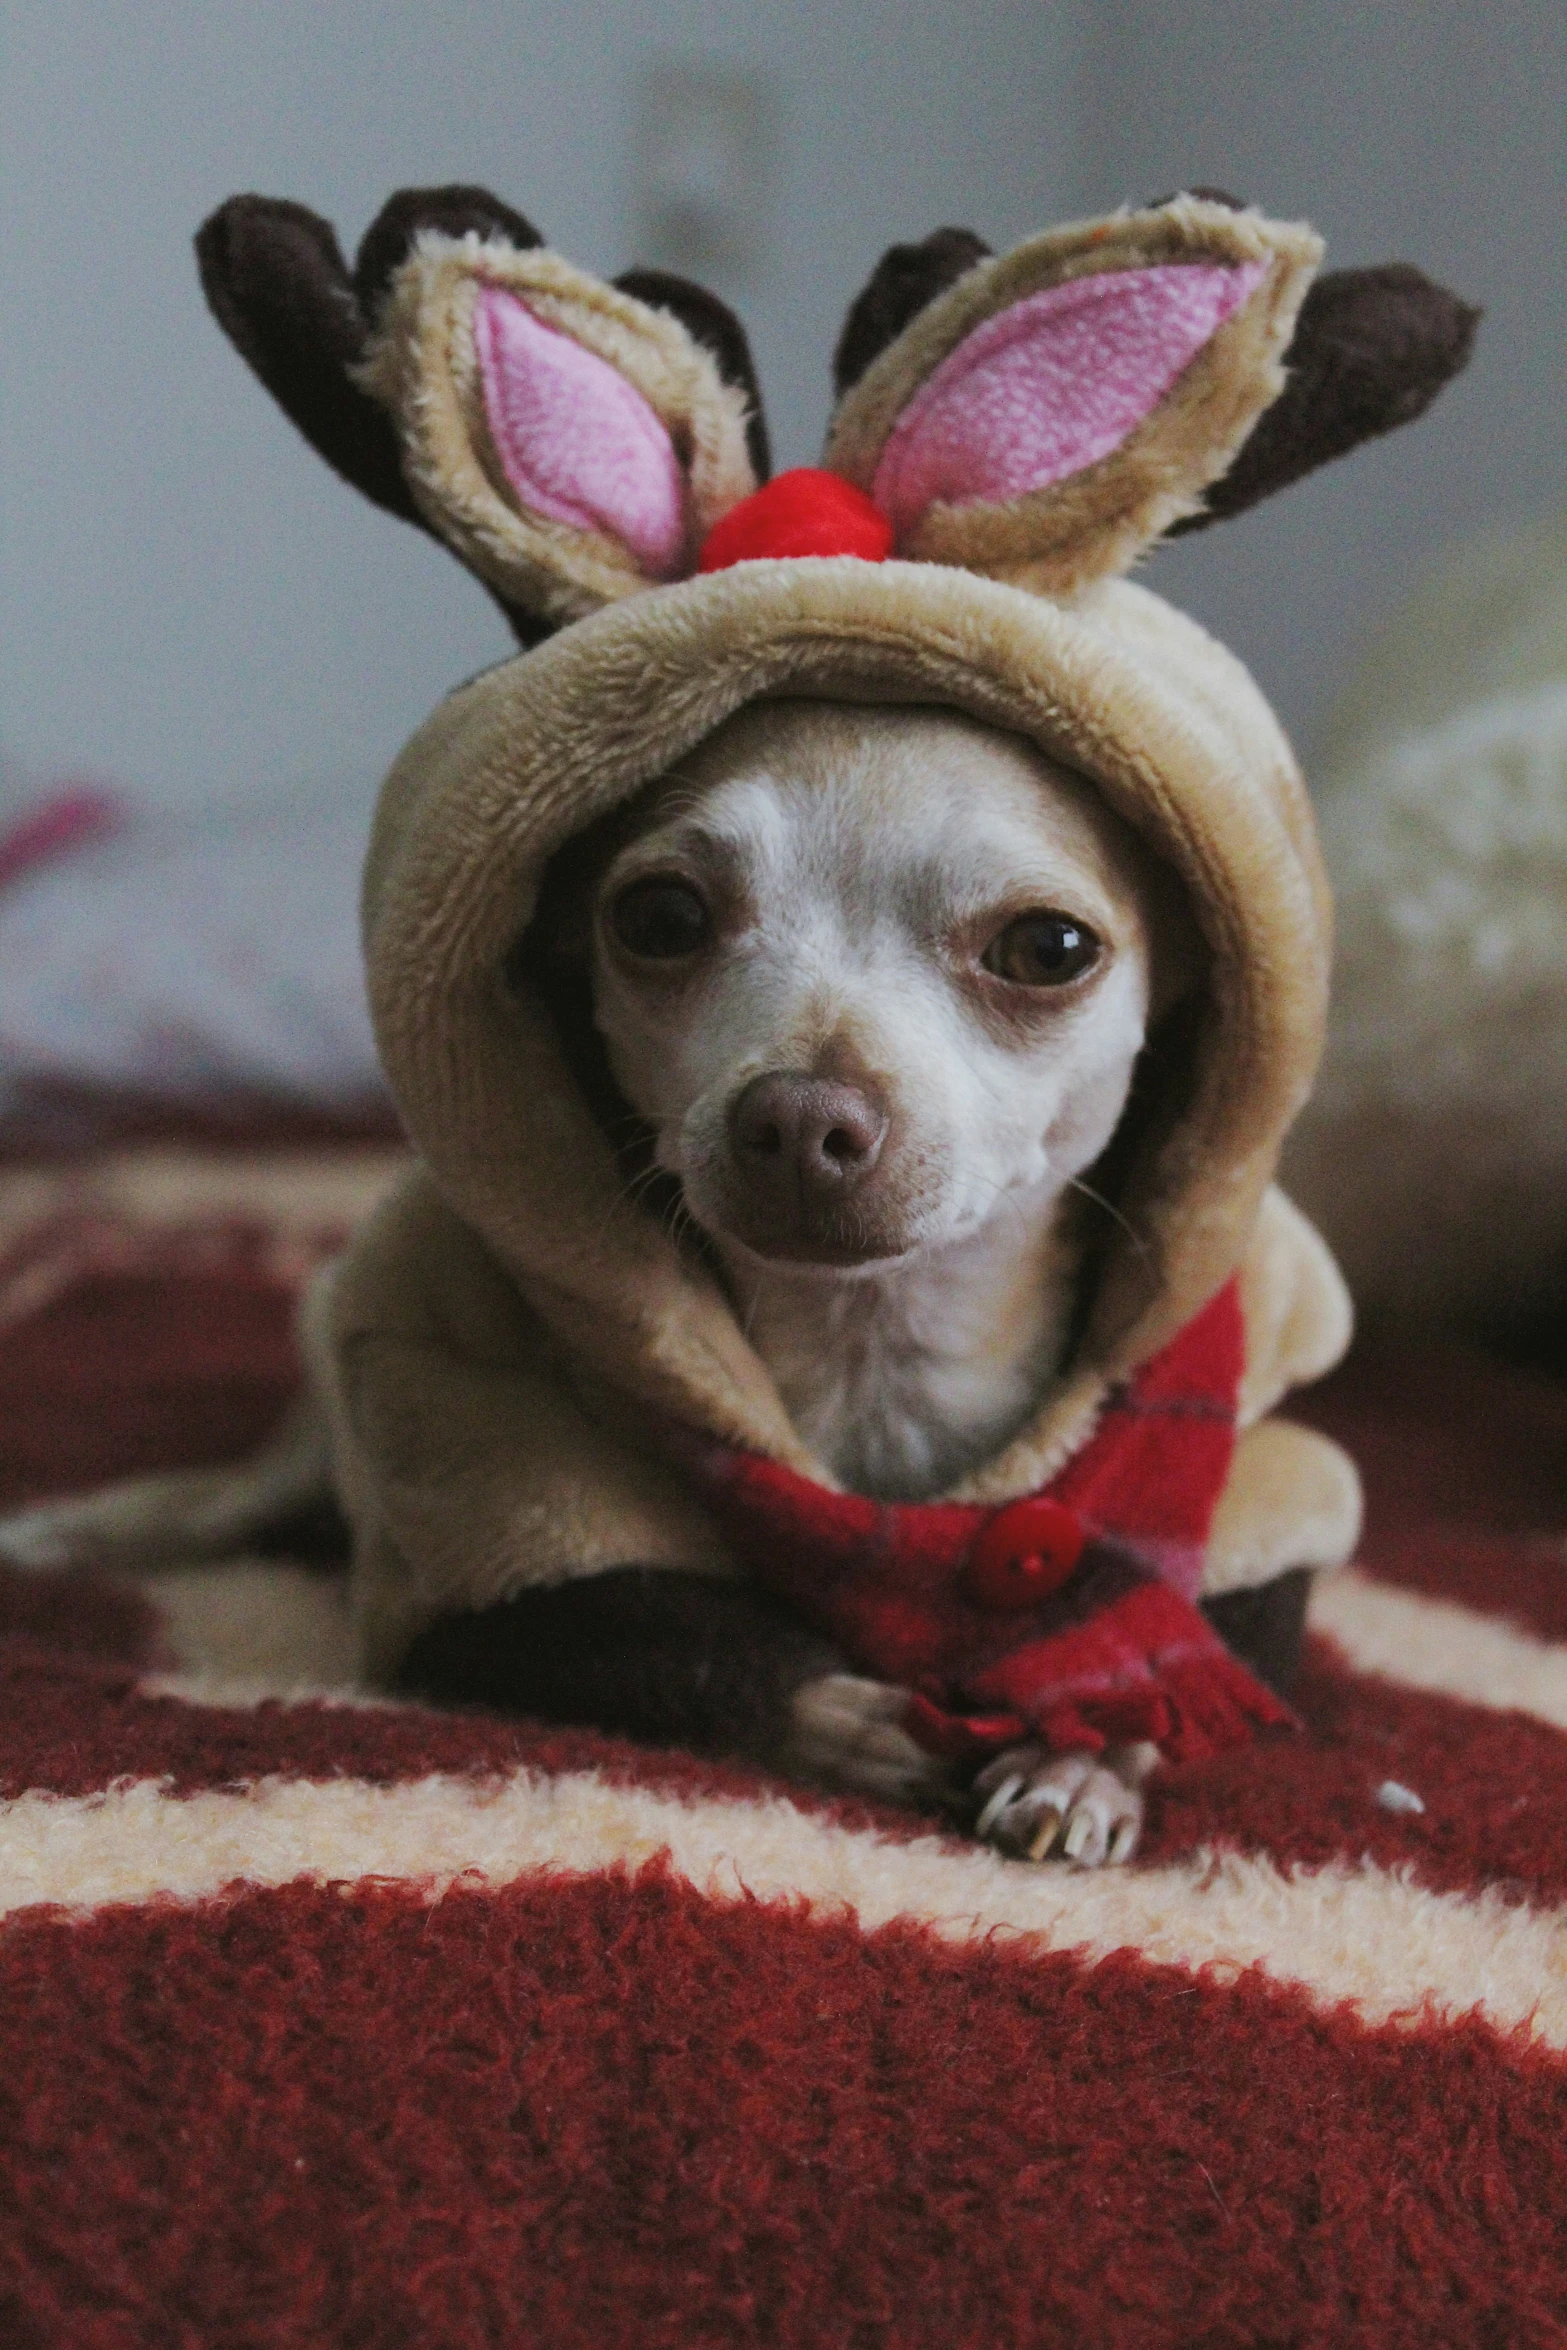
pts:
[279, 287]
[571, 441]
[1057, 409]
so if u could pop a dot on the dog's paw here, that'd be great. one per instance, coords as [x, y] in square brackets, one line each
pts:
[1084, 1808]
[847, 1733]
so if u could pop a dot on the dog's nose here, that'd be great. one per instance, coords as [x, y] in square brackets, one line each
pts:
[803, 1138]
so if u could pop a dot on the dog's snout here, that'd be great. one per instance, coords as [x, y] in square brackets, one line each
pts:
[806, 1138]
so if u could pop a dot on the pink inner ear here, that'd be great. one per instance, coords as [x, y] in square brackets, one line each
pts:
[1051, 385]
[578, 443]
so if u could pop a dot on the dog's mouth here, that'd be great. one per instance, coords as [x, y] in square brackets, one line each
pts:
[824, 1252]
[788, 1226]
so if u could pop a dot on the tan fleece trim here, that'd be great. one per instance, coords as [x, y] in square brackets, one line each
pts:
[466, 1463]
[422, 366]
[1097, 521]
[1120, 688]
[1292, 1499]
[1298, 1318]
[1296, 1305]
[1221, 697]
[1043, 1447]
[1365, 1935]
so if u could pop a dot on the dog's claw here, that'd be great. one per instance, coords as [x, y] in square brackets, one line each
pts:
[1086, 1809]
[997, 1804]
[1045, 1835]
[1077, 1835]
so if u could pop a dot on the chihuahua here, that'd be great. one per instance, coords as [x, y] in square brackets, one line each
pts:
[877, 979]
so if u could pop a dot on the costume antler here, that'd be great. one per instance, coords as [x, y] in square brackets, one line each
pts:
[905, 281]
[1370, 351]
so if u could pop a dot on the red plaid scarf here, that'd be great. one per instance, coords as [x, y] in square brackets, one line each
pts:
[1068, 1616]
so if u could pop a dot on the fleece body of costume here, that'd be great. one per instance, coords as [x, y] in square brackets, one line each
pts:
[531, 1379]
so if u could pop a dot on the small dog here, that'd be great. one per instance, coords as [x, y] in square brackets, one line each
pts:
[877, 980]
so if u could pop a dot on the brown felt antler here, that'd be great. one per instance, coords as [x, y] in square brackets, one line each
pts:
[714, 325]
[905, 281]
[276, 281]
[1371, 350]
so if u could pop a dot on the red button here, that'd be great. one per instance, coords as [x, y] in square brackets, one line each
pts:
[1023, 1554]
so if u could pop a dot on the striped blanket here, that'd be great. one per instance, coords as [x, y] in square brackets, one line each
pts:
[328, 2021]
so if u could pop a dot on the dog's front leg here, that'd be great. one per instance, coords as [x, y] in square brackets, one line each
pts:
[1086, 1808]
[681, 1659]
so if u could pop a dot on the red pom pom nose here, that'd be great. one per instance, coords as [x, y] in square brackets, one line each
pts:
[805, 512]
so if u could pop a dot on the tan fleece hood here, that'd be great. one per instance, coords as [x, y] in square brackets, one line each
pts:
[1120, 688]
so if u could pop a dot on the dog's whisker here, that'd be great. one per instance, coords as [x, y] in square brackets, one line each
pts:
[627, 1199]
[1111, 1210]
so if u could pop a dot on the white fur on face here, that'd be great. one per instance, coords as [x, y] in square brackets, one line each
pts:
[856, 863]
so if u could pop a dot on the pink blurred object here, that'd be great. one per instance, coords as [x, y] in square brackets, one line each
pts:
[73, 818]
[178, 967]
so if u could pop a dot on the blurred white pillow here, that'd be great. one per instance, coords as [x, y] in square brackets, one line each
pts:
[1433, 1155]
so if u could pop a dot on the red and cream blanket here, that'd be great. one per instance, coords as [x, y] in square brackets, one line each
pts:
[327, 2022]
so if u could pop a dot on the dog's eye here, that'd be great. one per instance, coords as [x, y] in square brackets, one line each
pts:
[1041, 950]
[660, 919]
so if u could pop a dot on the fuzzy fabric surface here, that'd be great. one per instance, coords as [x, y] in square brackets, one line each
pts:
[335, 2022]
[1443, 812]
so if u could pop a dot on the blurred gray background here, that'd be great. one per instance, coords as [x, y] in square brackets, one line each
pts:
[195, 607]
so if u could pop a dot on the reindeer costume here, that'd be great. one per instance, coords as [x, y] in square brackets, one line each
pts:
[550, 1432]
